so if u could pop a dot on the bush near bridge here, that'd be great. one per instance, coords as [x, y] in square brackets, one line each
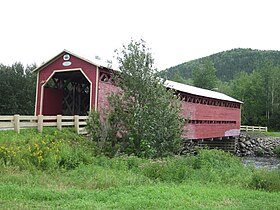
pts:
[143, 118]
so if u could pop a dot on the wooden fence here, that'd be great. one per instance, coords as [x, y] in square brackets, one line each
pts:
[17, 122]
[253, 128]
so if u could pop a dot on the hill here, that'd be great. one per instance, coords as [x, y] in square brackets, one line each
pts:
[227, 63]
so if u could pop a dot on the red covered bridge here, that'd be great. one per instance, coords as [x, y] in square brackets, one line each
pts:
[71, 85]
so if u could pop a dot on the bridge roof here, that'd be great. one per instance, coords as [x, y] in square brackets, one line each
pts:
[199, 91]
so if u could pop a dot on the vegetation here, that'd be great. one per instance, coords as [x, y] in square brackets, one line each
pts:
[204, 75]
[274, 134]
[52, 150]
[144, 117]
[17, 89]
[211, 180]
[248, 75]
[277, 151]
[227, 64]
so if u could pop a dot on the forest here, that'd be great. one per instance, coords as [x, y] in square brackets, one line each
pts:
[17, 89]
[251, 76]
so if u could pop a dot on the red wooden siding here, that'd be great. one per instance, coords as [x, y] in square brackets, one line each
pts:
[105, 87]
[76, 63]
[221, 118]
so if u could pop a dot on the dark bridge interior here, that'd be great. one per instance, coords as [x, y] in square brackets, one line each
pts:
[67, 93]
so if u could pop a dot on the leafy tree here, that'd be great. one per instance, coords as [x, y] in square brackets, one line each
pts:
[143, 117]
[204, 75]
[249, 89]
[178, 78]
[17, 89]
[270, 76]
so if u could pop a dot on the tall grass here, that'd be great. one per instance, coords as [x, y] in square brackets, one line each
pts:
[60, 169]
[48, 151]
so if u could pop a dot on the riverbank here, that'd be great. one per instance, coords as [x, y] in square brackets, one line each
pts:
[252, 144]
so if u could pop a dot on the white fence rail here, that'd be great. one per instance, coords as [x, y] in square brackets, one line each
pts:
[253, 128]
[16, 122]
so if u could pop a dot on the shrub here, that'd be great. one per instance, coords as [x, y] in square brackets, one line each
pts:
[217, 166]
[259, 152]
[173, 169]
[277, 151]
[215, 159]
[143, 117]
[266, 180]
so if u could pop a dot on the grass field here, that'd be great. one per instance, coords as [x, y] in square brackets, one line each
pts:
[273, 134]
[59, 170]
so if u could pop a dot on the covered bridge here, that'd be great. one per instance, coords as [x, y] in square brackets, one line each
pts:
[71, 85]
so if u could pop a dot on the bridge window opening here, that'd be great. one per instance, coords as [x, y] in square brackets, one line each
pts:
[105, 77]
[211, 122]
[208, 101]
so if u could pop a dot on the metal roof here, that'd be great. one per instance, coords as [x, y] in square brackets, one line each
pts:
[198, 91]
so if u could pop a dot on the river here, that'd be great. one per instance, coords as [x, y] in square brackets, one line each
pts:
[262, 162]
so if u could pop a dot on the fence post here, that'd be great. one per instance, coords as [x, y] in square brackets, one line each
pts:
[59, 122]
[40, 123]
[76, 123]
[16, 123]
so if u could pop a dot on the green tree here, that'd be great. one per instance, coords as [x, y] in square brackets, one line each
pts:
[143, 117]
[204, 75]
[270, 76]
[17, 89]
[249, 89]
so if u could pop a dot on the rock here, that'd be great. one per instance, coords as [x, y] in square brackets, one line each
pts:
[242, 145]
[248, 143]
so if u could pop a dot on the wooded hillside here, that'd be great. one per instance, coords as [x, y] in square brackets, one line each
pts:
[227, 64]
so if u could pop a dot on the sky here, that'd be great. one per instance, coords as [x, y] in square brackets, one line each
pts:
[177, 31]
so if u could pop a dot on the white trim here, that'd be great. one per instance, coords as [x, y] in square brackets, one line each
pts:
[36, 97]
[58, 56]
[42, 96]
[97, 89]
[63, 70]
